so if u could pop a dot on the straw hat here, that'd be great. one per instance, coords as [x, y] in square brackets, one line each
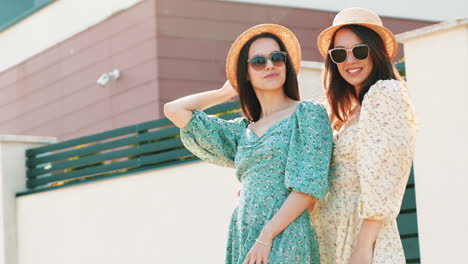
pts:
[358, 16]
[285, 35]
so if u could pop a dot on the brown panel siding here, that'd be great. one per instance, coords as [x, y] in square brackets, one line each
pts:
[55, 92]
[38, 63]
[8, 77]
[93, 128]
[177, 88]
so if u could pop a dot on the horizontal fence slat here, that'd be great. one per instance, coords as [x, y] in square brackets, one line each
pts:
[411, 177]
[166, 156]
[129, 164]
[73, 182]
[31, 183]
[97, 137]
[407, 224]
[409, 199]
[223, 107]
[411, 249]
[230, 116]
[131, 151]
[105, 146]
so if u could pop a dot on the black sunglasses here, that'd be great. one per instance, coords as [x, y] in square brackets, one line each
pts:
[258, 62]
[339, 55]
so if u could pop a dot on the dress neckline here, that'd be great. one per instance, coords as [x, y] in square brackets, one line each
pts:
[354, 124]
[275, 123]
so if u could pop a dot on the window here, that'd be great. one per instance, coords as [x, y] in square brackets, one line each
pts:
[13, 11]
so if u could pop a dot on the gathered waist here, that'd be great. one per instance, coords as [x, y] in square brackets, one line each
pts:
[350, 184]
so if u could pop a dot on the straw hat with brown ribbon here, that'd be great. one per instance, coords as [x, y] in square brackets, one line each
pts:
[358, 16]
[293, 48]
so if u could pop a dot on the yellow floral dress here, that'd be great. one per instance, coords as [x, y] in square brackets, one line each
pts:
[369, 171]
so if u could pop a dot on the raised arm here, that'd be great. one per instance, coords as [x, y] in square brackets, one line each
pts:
[180, 111]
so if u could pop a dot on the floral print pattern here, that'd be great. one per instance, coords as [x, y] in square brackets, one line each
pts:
[370, 168]
[292, 155]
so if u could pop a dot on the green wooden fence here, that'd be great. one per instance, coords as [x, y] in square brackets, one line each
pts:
[128, 149]
[148, 146]
[408, 223]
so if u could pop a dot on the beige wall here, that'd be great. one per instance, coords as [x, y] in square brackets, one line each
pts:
[12, 180]
[174, 215]
[436, 67]
[310, 80]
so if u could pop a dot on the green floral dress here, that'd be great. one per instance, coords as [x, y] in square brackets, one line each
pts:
[292, 155]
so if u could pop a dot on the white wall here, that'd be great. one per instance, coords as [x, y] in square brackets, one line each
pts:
[310, 80]
[434, 10]
[436, 68]
[12, 180]
[53, 24]
[173, 215]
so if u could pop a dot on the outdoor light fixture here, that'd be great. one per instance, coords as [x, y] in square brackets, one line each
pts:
[107, 77]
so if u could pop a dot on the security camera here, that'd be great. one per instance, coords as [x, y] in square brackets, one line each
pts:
[104, 79]
[107, 77]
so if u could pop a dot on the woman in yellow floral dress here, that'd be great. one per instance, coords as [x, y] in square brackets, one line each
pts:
[373, 149]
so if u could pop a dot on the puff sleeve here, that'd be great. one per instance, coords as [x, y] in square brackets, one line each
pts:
[385, 149]
[309, 151]
[213, 139]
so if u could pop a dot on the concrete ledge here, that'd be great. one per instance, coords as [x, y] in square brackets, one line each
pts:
[403, 37]
[30, 139]
[312, 65]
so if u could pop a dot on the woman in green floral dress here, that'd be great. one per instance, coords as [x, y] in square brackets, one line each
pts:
[281, 149]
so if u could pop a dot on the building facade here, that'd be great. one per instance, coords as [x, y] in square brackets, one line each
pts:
[164, 49]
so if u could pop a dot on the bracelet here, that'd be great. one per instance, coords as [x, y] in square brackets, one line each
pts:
[263, 243]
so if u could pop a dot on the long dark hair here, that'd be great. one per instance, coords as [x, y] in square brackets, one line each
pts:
[248, 99]
[339, 92]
